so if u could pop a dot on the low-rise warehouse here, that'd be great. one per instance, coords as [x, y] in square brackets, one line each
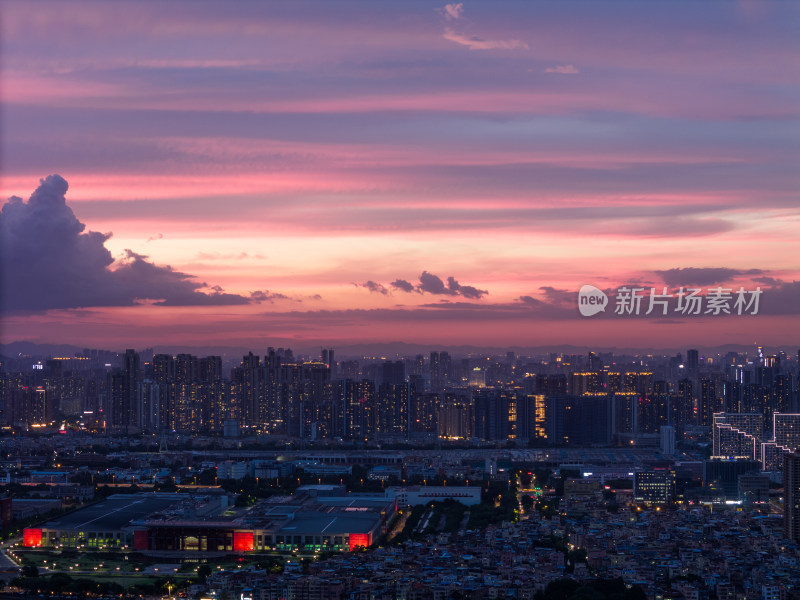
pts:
[105, 524]
[179, 522]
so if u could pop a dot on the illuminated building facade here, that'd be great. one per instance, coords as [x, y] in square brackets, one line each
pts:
[737, 435]
[304, 523]
[531, 418]
[654, 487]
[455, 416]
[785, 439]
[495, 414]
[791, 496]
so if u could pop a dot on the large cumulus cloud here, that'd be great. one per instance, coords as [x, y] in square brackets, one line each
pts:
[49, 260]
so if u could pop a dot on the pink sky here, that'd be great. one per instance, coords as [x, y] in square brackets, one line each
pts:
[281, 165]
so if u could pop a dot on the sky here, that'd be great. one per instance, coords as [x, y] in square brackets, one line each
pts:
[246, 173]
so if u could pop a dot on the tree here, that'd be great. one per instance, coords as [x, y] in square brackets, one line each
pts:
[243, 500]
[207, 477]
[527, 502]
[203, 571]
[634, 593]
[561, 589]
[30, 571]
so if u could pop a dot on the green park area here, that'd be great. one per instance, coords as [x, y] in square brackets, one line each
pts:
[114, 572]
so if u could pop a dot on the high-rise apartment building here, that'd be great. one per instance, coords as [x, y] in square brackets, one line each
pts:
[791, 496]
[737, 435]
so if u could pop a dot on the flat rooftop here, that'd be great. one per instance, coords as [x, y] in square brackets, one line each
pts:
[355, 502]
[330, 524]
[115, 512]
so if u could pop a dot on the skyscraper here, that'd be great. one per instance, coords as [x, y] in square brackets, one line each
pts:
[493, 410]
[653, 412]
[786, 430]
[531, 419]
[441, 365]
[251, 376]
[709, 403]
[692, 360]
[625, 413]
[579, 420]
[682, 406]
[733, 395]
[164, 376]
[186, 405]
[435, 372]
[359, 402]
[424, 413]
[391, 408]
[667, 434]
[124, 392]
[737, 435]
[791, 496]
[785, 440]
[455, 416]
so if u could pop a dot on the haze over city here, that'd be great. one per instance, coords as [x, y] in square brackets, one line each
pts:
[400, 300]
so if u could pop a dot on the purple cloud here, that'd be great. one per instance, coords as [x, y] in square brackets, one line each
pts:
[373, 286]
[49, 261]
[467, 291]
[432, 284]
[702, 275]
[474, 42]
[563, 69]
[772, 281]
[402, 284]
[260, 296]
[428, 284]
[453, 12]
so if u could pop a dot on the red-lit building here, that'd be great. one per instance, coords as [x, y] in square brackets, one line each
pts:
[303, 531]
[158, 522]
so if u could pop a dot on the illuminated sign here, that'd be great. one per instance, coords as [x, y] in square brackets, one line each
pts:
[32, 538]
[359, 540]
[243, 541]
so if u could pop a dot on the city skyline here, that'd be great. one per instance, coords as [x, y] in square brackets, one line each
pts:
[429, 174]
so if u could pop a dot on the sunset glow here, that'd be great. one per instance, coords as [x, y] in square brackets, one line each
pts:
[290, 163]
